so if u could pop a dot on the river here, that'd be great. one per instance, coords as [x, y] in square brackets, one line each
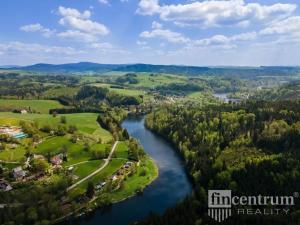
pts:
[171, 186]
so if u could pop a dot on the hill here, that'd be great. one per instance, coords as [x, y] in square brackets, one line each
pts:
[82, 67]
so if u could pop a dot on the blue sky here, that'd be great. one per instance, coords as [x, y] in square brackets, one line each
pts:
[209, 32]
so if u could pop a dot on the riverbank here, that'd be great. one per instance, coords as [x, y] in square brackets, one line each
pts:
[146, 172]
[170, 183]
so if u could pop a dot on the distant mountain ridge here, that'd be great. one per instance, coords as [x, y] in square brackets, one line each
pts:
[82, 67]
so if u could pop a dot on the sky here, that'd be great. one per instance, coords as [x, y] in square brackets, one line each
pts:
[188, 32]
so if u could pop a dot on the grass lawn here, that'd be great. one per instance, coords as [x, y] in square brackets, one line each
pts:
[112, 167]
[41, 106]
[13, 155]
[101, 147]
[76, 151]
[122, 150]
[84, 169]
[85, 122]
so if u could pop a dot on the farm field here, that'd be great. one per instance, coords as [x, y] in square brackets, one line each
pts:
[39, 106]
[60, 91]
[121, 91]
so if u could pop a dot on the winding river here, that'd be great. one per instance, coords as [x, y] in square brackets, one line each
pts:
[170, 187]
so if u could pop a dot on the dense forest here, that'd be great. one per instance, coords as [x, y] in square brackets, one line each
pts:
[251, 148]
[287, 91]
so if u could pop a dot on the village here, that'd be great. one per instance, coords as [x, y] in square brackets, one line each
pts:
[70, 157]
[27, 172]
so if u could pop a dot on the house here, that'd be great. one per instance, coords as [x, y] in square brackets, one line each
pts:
[128, 164]
[23, 111]
[4, 185]
[57, 160]
[18, 173]
[100, 186]
[40, 157]
[114, 177]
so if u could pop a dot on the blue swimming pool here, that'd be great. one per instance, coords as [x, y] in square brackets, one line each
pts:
[20, 135]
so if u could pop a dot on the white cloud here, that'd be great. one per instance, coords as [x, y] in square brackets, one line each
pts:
[148, 7]
[104, 45]
[20, 47]
[74, 19]
[108, 48]
[77, 36]
[210, 13]
[156, 25]
[225, 41]
[65, 12]
[104, 2]
[288, 26]
[37, 28]
[165, 34]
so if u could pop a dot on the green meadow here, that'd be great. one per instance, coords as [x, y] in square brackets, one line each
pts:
[148, 80]
[86, 123]
[84, 169]
[39, 106]
[122, 150]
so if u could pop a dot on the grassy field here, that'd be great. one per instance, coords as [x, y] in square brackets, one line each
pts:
[149, 81]
[60, 91]
[13, 155]
[121, 91]
[40, 106]
[85, 122]
[122, 150]
[84, 169]
[112, 167]
[128, 92]
[54, 145]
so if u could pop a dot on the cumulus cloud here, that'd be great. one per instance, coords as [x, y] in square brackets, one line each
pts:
[36, 27]
[65, 12]
[226, 40]
[165, 34]
[210, 13]
[287, 26]
[156, 25]
[74, 19]
[148, 7]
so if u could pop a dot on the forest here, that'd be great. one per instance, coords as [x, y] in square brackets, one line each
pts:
[250, 148]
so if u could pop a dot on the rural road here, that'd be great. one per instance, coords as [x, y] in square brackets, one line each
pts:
[98, 170]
